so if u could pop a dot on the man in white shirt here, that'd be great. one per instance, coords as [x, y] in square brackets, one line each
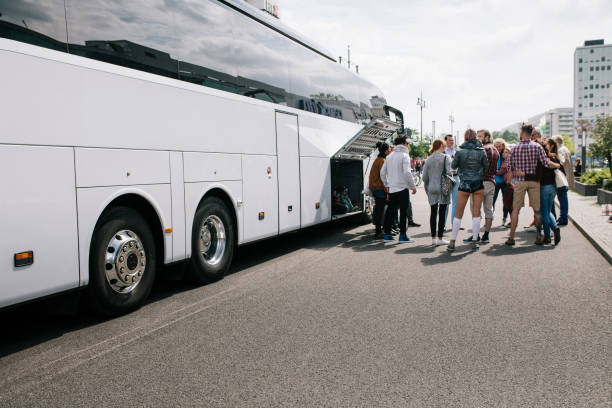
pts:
[450, 151]
[396, 175]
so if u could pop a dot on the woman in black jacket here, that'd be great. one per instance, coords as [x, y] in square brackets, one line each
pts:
[471, 163]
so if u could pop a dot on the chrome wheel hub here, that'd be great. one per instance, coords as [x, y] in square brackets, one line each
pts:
[212, 239]
[125, 261]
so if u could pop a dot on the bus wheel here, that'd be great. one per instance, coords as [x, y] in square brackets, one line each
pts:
[212, 241]
[122, 262]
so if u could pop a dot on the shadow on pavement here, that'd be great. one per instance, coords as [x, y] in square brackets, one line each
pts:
[25, 326]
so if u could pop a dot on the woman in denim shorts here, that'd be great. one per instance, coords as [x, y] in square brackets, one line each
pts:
[471, 163]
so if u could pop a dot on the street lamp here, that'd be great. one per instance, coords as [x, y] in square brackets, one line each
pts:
[421, 102]
[584, 126]
[451, 119]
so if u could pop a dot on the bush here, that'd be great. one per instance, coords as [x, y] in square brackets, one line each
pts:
[607, 185]
[595, 177]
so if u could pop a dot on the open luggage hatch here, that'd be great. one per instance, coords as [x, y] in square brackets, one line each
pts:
[348, 166]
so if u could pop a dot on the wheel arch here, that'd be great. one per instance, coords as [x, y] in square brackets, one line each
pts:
[224, 195]
[145, 207]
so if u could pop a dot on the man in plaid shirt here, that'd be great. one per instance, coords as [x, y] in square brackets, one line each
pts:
[523, 162]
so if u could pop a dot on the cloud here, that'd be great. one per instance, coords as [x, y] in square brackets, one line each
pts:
[491, 63]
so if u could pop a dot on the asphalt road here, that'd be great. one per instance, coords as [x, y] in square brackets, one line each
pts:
[328, 317]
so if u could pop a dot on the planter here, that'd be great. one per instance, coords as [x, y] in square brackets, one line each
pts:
[586, 189]
[604, 196]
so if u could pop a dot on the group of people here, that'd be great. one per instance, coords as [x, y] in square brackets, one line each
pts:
[477, 172]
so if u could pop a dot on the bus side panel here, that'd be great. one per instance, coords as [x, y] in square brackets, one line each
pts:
[38, 213]
[316, 188]
[92, 202]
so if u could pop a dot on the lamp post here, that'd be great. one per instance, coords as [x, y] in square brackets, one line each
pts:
[433, 129]
[584, 126]
[421, 102]
[451, 119]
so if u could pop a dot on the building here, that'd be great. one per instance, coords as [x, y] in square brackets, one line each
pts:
[554, 122]
[592, 79]
[265, 5]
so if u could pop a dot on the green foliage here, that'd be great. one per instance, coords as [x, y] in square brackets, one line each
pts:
[601, 146]
[607, 185]
[568, 142]
[420, 149]
[509, 137]
[595, 177]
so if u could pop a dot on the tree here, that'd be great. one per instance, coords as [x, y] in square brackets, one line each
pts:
[568, 142]
[509, 137]
[419, 149]
[601, 146]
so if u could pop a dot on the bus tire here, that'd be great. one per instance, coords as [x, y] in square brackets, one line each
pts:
[213, 240]
[122, 262]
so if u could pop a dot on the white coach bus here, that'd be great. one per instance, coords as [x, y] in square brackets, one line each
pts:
[138, 133]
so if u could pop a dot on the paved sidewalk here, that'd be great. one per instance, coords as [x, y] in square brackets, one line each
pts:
[586, 214]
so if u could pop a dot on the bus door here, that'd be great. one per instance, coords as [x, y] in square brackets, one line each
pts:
[288, 163]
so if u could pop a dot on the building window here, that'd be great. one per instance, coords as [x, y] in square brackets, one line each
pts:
[596, 68]
[608, 67]
[591, 104]
[591, 77]
[603, 58]
[592, 50]
[579, 113]
[579, 69]
[607, 85]
[580, 60]
[580, 105]
[591, 69]
[591, 86]
[597, 86]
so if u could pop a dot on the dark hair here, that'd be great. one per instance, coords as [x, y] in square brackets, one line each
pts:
[470, 134]
[447, 136]
[487, 134]
[552, 145]
[382, 149]
[527, 129]
[400, 140]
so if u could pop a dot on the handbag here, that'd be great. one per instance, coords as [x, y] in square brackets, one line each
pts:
[447, 183]
[560, 179]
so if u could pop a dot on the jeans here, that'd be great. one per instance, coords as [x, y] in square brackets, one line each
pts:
[453, 201]
[499, 187]
[547, 200]
[437, 211]
[563, 203]
[380, 200]
[400, 200]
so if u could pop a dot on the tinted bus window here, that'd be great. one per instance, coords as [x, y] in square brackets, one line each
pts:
[41, 23]
[262, 60]
[206, 47]
[133, 33]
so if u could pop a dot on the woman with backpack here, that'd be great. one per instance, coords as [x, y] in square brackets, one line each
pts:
[436, 167]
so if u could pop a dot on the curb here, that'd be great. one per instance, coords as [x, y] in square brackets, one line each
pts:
[589, 238]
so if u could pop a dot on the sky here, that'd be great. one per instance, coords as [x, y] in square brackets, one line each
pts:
[489, 63]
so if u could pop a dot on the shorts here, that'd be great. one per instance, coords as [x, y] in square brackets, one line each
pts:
[487, 201]
[471, 186]
[532, 188]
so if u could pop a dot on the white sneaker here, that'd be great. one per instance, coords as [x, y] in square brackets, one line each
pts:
[434, 242]
[531, 229]
[442, 241]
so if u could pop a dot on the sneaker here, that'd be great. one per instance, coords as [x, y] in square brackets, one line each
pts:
[379, 235]
[504, 222]
[434, 242]
[388, 238]
[451, 246]
[413, 224]
[395, 232]
[508, 225]
[510, 242]
[442, 241]
[474, 246]
[470, 239]
[546, 240]
[405, 240]
[485, 239]
[538, 241]
[562, 221]
[557, 233]
[531, 228]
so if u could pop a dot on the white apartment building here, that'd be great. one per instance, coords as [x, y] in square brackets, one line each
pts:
[592, 83]
[554, 122]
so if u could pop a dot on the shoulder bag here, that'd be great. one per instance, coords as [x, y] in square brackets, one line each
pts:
[447, 183]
